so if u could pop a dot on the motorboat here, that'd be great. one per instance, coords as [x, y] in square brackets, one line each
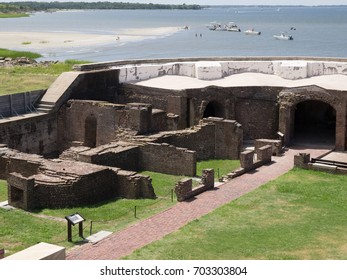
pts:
[283, 36]
[216, 26]
[232, 26]
[252, 32]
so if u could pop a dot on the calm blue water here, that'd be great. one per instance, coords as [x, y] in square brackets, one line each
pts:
[320, 31]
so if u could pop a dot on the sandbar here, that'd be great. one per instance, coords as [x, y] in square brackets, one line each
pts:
[42, 41]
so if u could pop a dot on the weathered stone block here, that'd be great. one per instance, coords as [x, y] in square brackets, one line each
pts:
[246, 159]
[264, 153]
[183, 188]
[301, 160]
[207, 178]
[275, 144]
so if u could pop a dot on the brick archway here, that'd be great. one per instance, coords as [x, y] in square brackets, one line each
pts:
[213, 109]
[290, 99]
[314, 122]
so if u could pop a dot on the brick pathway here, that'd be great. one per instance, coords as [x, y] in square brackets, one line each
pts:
[124, 242]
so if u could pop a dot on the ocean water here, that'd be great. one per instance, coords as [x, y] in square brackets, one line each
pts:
[319, 31]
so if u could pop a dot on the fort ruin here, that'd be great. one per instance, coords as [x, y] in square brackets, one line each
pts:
[88, 135]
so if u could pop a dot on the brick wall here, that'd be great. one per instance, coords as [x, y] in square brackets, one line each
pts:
[165, 158]
[34, 134]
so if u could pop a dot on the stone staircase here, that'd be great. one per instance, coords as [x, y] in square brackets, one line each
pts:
[45, 106]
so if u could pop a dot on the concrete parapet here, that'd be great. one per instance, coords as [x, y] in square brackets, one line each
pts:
[208, 70]
[40, 251]
[291, 70]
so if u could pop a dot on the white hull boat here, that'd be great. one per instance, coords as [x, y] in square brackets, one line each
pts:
[231, 26]
[283, 37]
[252, 32]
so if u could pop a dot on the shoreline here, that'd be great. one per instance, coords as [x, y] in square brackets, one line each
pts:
[43, 41]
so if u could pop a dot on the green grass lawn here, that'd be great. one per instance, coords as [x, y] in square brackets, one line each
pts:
[221, 167]
[109, 215]
[33, 77]
[3, 190]
[27, 78]
[16, 54]
[13, 15]
[301, 215]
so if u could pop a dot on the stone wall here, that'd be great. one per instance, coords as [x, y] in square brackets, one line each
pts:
[184, 188]
[200, 139]
[214, 138]
[164, 158]
[288, 99]
[126, 158]
[103, 122]
[228, 138]
[31, 133]
[96, 85]
[255, 108]
[40, 183]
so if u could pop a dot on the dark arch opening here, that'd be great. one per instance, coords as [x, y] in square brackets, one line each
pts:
[315, 122]
[90, 131]
[213, 109]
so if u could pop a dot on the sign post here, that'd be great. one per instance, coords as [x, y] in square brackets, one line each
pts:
[73, 220]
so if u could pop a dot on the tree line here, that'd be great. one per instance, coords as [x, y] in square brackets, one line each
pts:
[49, 6]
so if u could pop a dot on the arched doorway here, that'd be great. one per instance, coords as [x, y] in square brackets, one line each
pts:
[214, 109]
[90, 128]
[314, 122]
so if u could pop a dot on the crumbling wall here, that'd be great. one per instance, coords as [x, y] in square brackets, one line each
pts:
[200, 139]
[255, 108]
[214, 138]
[35, 182]
[110, 120]
[165, 158]
[30, 134]
[125, 158]
[184, 188]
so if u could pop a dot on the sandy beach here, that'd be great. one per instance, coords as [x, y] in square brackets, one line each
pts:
[52, 40]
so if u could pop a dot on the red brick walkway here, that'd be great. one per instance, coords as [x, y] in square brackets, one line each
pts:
[124, 242]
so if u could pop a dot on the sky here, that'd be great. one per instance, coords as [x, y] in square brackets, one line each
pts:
[217, 2]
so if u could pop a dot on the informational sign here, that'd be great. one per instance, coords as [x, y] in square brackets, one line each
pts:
[75, 219]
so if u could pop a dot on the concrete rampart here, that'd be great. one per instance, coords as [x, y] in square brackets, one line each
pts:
[218, 67]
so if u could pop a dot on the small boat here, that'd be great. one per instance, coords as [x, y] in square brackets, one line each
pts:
[252, 32]
[216, 26]
[231, 26]
[283, 36]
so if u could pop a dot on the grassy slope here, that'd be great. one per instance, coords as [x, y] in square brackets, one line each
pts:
[221, 167]
[16, 54]
[27, 78]
[13, 15]
[301, 215]
[3, 190]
